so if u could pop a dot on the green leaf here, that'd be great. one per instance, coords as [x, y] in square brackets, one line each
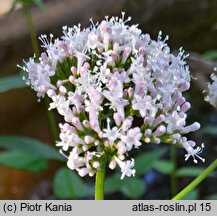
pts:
[21, 160]
[211, 197]
[112, 184]
[67, 185]
[11, 82]
[132, 188]
[191, 172]
[145, 161]
[163, 166]
[39, 3]
[193, 195]
[30, 146]
[212, 130]
[210, 55]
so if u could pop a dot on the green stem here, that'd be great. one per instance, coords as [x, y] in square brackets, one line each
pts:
[173, 179]
[51, 120]
[31, 29]
[99, 184]
[196, 181]
[35, 46]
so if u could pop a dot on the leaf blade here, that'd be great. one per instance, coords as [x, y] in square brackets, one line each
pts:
[11, 82]
[21, 160]
[67, 185]
[132, 187]
[29, 145]
[145, 161]
[163, 166]
[191, 172]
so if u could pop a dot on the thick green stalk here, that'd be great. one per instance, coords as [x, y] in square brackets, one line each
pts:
[196, 181]
[35, 46]
[173, 179]
[100, 179]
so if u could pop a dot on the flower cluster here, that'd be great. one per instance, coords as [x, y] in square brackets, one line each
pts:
[117, 89]
[212, 91]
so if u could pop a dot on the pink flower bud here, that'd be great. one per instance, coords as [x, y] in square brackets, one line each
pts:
[83, 71]
[59, 83]
[193, 127]
[83, 172]
[180, 101]
[76, 122]
[130, 92]
[86, 65]
[116, 47]
[72, 79]
[126, 53]
[88, 139]
[86, 123]
[106, 143]
[51, 93]
[159, 120]
[84, 148]
[42, 88]
[96, 165]
[185, 107]
[112, 164]
[148, 120]
[148, 132]
[73, 70]
[161, 130]
[156, 140]
[118, 119]
[96, 143]
[91, 173]
[122, 149]
[62, 90]
[191, 143]
[127, 123]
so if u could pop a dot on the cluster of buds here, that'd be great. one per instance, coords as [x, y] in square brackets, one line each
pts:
[117, 89]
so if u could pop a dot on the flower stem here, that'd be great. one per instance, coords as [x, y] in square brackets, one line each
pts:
[35, 46]
[31, 29]
[51, 119]
[173, 179]
[100, 178]
[196, 181]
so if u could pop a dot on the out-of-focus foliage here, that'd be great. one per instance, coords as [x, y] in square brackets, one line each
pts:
[163, 166]
[132, 188]
[68, 185]
[11, 82]
[211, 197]
[193, 195]
[210, 130]
[29, 146]
[210, 55]
[191, 172]
[22, 160]
[39, 3]
[145, 161]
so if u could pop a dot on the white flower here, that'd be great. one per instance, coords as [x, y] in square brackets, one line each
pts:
[212, 91]
[111, 134]
[126, 167]
[142, 104]
[133, 137]
[113, 73]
